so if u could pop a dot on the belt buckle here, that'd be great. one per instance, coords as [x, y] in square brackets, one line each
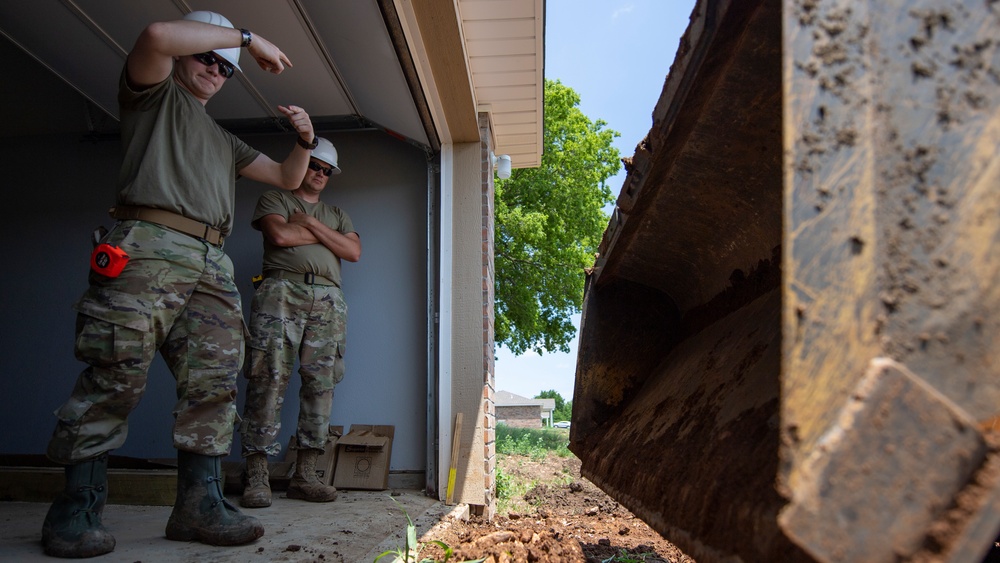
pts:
[310, 278]
[207, 236]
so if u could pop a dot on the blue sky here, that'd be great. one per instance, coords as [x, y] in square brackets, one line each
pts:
[615, 54]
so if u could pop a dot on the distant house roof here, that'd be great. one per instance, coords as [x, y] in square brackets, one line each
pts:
[508, 399]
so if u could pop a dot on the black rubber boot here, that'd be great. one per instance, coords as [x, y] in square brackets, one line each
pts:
[201, 512]
[73, 527]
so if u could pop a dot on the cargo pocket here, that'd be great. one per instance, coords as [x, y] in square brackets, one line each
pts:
[63, 447]
[72, 410]
[338, 362]
[244, 366]
[113, 329]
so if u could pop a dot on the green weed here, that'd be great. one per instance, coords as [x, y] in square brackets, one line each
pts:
[504, 485]
[625, 557]
[510, 492]
[531, 442]
[411, 552]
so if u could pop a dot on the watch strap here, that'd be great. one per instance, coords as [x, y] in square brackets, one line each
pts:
[308, 146]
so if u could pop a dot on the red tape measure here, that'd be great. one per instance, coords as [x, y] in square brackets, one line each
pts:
[108, 260]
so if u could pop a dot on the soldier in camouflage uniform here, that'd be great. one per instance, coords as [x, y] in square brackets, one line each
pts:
[297, 312]
[176, 294]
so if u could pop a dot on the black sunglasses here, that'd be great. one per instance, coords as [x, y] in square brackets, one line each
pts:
[318, 168]
[209, 59]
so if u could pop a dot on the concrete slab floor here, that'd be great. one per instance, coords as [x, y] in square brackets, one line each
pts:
[355, 528]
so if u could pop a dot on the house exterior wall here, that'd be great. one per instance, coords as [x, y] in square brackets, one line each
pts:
[526, 416]
[468, 239]
[383, 187]
[463, 366]
[489, 289]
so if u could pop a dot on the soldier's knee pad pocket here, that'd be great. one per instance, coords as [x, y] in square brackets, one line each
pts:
[72, 411]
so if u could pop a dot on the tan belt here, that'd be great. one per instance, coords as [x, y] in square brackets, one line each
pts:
[308, 277]
[170, 220]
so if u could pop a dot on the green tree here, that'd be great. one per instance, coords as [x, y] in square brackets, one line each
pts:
[549, 222]
[564, 408]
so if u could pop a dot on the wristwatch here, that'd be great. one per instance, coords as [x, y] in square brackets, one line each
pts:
[308, 146]
[247, 38]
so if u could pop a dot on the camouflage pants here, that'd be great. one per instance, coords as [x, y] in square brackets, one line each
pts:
[176, 295]
[289, 320]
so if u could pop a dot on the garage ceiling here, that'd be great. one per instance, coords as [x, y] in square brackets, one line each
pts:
[357, 64]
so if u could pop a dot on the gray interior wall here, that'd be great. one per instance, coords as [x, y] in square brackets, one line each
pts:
[58, 188]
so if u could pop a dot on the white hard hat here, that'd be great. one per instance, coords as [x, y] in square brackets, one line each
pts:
[231, 54]
[324, 151]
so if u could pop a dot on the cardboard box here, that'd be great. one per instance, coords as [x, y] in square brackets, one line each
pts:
[327, 462]
[363, 457]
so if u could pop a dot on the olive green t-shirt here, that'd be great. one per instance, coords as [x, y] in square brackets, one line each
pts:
[176, 157]
[314, 258]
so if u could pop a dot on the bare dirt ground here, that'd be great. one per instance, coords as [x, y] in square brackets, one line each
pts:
[563, 517]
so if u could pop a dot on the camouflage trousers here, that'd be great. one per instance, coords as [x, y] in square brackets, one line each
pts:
[176, 295]
[289, 320]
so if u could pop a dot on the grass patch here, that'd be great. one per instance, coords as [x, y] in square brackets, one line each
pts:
[534, 443]
[510, 493]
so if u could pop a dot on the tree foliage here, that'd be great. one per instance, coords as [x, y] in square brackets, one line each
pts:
[564, 408]
[549, 222]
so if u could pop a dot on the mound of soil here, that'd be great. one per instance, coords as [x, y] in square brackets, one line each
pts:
[563, 518]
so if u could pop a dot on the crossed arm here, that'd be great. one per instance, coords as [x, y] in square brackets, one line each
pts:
[302, 228]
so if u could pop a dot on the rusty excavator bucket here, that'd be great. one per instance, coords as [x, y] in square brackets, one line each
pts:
[789, 343]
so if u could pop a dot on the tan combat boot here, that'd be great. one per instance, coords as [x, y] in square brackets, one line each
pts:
[257, 493]
[305, 484]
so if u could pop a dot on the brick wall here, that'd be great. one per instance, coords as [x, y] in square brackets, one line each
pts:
[527, 416]
[489, 351]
